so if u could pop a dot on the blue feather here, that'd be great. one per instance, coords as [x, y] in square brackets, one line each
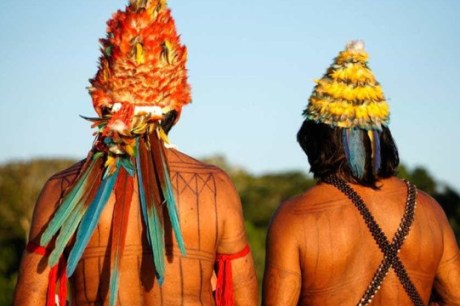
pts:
[140, 182]
[114, 284]
[67, 230]
[155, 231]
[377, 154]
[90, 220]
[128, 165]
[156, 234]
[172, 208]
[67, 206]
[357, 158]
[346, 147]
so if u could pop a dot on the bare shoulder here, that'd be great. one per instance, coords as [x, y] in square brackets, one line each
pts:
[286, 217]
[67, 176]
[184, 165]
[70, 171]
[435, 212]
[60, 181]
[431, 212]
[427, 202]
[321, 197]
[302, 214]
[50, 197]
[447, 279]
[181, 162]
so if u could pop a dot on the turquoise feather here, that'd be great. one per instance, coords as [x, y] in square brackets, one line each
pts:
[346, 149]
[141, 190]
[128, 165]
[377, 153]
[67, 206]
[171, 205]
[357, 152]
[67, 230]
[155, 231]
[114, 284]
[90, 220]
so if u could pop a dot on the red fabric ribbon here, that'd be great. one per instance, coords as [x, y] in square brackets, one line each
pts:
[224, 287]
[57, 275]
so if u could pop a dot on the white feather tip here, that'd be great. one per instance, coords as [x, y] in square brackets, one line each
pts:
[355, 45]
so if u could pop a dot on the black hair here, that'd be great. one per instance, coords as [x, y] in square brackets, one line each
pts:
[168, 122]
[323, 145]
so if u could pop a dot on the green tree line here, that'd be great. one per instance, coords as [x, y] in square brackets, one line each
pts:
[21, 182]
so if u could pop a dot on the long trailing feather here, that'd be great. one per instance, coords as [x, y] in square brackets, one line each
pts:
[161, 165]
[346, 148]
[155, 215]
[153, 207]
[357, 152]
[123, 197]
[65, 234]
[375, 147]
[71, 223]
[71, 200]
[377, 153]
[140, 183]
[89, 221]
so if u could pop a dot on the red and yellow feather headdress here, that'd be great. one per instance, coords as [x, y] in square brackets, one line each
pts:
[142, 62]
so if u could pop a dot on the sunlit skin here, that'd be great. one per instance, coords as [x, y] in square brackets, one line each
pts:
[320, 251]
[211, 221]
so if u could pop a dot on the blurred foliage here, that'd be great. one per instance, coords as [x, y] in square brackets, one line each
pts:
[21, 182]
[447, 197]
[20, 185]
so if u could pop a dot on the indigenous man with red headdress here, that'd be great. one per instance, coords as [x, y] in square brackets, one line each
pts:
[361, 236]
[138, 222]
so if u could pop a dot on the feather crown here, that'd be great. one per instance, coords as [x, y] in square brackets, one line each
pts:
[142, 64]
[348, 95]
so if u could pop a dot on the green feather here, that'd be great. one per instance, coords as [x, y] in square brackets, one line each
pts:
[68, 204]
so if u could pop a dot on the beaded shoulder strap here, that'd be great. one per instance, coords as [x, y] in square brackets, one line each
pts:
[389, 250]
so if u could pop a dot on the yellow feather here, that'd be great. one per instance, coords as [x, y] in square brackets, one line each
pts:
[163, 136]
[139, 54]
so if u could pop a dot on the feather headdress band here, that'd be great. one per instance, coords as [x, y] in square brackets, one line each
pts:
[349, 97]
[141, 78]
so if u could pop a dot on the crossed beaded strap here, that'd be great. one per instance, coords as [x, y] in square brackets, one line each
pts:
[389, 250]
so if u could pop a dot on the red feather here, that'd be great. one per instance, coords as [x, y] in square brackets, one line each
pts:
[123, 197]
[153, 211]
[157, 152]
[151, 184]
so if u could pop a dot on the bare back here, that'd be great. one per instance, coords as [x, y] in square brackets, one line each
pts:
[320, 250]
[211, 222]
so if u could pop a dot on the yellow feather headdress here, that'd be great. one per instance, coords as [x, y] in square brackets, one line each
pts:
[348, 95]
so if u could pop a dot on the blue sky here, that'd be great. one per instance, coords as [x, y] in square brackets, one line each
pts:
[251, 65]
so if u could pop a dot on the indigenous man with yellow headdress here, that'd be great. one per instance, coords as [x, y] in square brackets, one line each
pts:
[361, 236]
[138, 222]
